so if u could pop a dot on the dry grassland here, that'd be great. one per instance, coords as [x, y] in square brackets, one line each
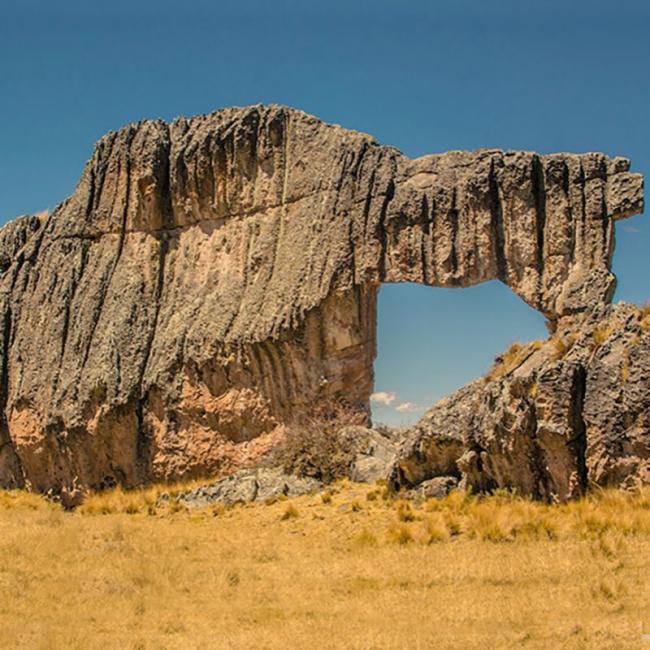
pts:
[347, 569]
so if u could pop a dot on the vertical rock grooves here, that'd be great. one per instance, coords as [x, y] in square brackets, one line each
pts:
[382, 228]
[105, 284]
[15, 240]
[142, 446]
[496, 213]
[11, 472]
[453, 219]
[539, 196]
[210, 278]
[424, 240]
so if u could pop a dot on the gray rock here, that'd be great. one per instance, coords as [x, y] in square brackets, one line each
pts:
[377, 451]
[437, 488]
[248, 485]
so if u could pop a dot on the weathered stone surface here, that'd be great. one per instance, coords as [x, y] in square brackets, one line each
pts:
[246, 486]
[551, 419]
[210, 277]
[376, 453]
[437, 487]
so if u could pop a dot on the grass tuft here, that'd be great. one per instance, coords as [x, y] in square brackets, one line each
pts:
[600, 334]
[365, 538]
[404, 511]
[291, 512]
[511, 359]
[562, 344]
[644, 315]
[436, 528]
[401, 535]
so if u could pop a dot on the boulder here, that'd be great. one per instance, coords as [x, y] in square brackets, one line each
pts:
[376, 453]
[436, 488]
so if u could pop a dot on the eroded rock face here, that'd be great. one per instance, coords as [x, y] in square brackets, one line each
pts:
[211, 277]
[550, 420]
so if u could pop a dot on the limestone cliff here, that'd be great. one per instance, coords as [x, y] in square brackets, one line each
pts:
[211, 277]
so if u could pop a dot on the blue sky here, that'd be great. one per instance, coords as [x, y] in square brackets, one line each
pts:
[422, 76]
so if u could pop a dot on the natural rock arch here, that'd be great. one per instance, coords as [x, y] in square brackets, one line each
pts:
[211, 277]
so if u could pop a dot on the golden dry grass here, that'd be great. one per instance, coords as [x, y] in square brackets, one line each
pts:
[644, 316]
[511, 359]
[353, 570]
[562, 343]
[601, 333]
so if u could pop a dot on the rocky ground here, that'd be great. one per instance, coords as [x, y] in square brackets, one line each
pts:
[376, 451]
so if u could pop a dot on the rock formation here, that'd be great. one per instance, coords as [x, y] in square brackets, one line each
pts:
[550, 419]
[263, 485]
[211, 277]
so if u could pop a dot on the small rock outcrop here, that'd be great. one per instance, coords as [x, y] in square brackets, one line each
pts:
[210, 278]
[551, 418]
[260, 485]
[376, 451]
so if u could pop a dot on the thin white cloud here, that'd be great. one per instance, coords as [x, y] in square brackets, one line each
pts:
[383, 397]
[628, 228]
[408, 407]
